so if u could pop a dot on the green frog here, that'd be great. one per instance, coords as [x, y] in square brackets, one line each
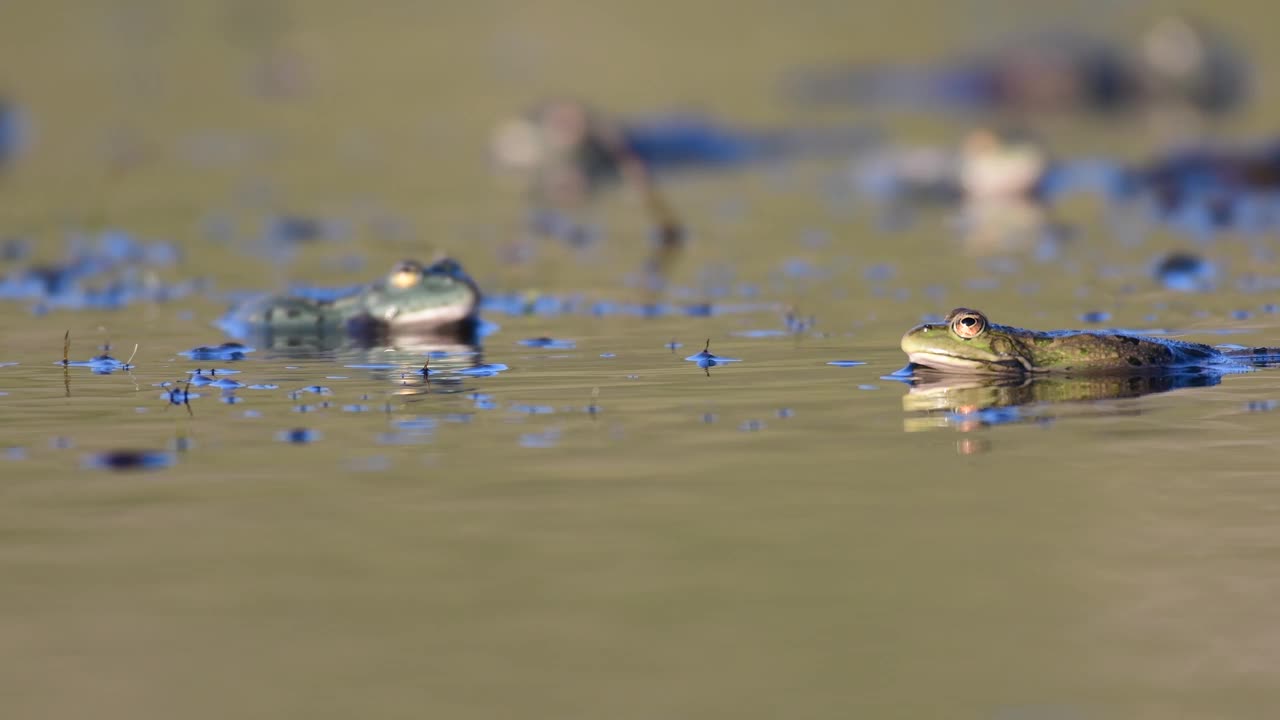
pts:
[439, 299]
[966, 342]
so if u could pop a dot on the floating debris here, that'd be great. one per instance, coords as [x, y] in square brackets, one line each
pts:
[707, 360]
[298, 436]
[122, 263]
[102, 364]
[846, 363]
[546, 343]
[482, 370]
[122, 460]
[1185, 272]
[227, 351]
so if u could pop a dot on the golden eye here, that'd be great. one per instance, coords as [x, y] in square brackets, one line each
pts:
[968, 324]
[405, 275]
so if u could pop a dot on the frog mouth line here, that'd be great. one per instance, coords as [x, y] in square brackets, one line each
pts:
[438, 314]
[944, 361]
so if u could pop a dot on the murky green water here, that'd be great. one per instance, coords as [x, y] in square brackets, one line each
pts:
[588, 536]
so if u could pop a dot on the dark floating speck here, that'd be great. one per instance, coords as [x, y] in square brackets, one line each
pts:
[178, 395]
[483, 401]
[752, 426]
[15, 453]
[1095, 316]
[484, 370]
[673, 345]
[228, 351]
[846, 363]
[785, 413]
[608, 355]
[546, 343]
[298, 436]
[1185, 272]
[121, 460]
[706, 359]
[1261, 405]
[266, 386]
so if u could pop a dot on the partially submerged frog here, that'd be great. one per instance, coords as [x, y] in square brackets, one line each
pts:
[439, 299]
[966, 342]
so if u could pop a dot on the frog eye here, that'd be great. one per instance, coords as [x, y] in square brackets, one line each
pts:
[405, 275]
[969, 324]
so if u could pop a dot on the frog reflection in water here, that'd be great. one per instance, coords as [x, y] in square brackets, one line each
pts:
[967, 343]
[439, 301]
[973, 402]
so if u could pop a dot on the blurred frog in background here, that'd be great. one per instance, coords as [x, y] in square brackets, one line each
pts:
[568, 151]
[1176, 62]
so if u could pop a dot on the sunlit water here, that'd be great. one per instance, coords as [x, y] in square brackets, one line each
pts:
[604, 528]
